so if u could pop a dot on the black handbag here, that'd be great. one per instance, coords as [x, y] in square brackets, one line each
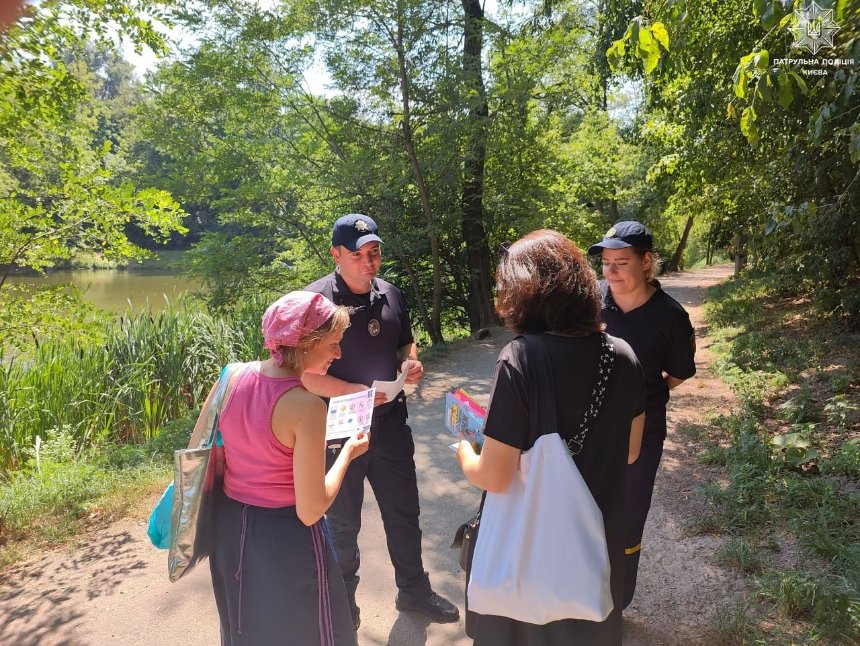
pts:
[465, 538]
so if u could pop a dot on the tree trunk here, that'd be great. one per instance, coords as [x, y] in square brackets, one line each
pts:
[740, 243]
[416, 287]
[435, 328]
[682, 244]
[709, 251]
[480, 293]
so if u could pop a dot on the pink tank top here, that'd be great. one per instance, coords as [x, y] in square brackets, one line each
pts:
[258, 469]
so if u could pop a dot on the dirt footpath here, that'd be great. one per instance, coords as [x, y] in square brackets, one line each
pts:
[112, 587]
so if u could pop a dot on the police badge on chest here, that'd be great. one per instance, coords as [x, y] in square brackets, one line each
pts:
[373, 327]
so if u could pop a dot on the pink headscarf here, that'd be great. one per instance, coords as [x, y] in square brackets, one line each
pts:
[292, 317]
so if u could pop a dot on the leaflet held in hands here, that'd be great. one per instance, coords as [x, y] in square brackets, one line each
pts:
[464, 415]
[390, 388]
[349, 414]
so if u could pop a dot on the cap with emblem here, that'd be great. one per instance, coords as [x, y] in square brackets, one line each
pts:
[624, 234]
[353, 231]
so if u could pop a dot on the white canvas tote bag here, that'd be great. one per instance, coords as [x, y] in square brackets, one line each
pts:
[541, 551]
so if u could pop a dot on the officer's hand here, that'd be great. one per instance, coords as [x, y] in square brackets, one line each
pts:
[379, 398]
[414, 370]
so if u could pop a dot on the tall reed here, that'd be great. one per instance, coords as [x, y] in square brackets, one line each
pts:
[152, 368]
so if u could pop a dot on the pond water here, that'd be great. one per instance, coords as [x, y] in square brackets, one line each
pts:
[112, 289]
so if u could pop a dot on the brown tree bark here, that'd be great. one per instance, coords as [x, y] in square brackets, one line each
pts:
[435, 328]
[480, 293]
[682, 244]
[740, 250]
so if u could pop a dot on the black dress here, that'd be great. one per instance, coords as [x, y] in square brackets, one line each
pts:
[602, 463]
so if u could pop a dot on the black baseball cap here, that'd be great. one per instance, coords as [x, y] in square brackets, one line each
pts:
[624, 234]
[353, 231]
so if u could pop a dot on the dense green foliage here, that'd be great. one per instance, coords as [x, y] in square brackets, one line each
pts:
[61, 161]
[455, 129]
[396, 136]
[759, 138]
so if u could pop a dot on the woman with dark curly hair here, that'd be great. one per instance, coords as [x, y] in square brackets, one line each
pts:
[546, 288]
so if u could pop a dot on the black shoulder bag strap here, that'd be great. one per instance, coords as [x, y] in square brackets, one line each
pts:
[541, 373]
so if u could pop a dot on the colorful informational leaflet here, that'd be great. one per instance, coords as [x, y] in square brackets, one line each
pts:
[464, 415]
[349, 414]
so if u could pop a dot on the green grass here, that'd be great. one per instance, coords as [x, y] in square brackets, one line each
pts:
[791, 465]
[740, 555]
[87, 429]
[151, 368]
[691, 430]
[712, 456]
[831, 602]
[61, 491]
[733, 625]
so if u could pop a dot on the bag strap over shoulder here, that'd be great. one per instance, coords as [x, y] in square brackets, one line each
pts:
[541, 373]
[203, 434]
[228, 373]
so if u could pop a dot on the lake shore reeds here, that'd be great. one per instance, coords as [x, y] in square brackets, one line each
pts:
[81, 421]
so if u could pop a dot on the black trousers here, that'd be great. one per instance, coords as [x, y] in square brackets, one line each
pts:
[389, 467]
[640, 485]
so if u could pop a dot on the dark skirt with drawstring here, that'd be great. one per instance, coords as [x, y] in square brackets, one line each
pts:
[276, 580]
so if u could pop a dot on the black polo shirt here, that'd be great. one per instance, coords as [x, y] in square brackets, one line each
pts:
[661, 335]
[366, 357]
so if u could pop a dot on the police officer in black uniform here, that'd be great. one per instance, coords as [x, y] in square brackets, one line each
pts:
[658, 329]
[377, 344]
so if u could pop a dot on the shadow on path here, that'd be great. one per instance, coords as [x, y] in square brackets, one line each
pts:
[41, 602]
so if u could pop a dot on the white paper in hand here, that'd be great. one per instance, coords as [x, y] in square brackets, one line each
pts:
[391, 388]
[349, 414]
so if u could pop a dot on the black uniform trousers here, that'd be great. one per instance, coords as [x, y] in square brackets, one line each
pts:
[639, 487]
[389, 466]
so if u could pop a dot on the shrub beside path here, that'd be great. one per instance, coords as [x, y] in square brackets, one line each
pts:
[112, 588]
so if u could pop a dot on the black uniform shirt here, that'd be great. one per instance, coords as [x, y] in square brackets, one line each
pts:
[660, 333]
[366, 357]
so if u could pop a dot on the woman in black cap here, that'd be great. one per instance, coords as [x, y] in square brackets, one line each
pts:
[658, 329]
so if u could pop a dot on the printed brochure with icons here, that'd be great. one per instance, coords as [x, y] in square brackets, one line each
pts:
[464, 415]
[349, 414]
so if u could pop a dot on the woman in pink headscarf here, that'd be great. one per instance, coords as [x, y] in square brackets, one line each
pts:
[273, 571]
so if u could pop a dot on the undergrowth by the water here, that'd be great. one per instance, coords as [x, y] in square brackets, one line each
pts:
[61, 491]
